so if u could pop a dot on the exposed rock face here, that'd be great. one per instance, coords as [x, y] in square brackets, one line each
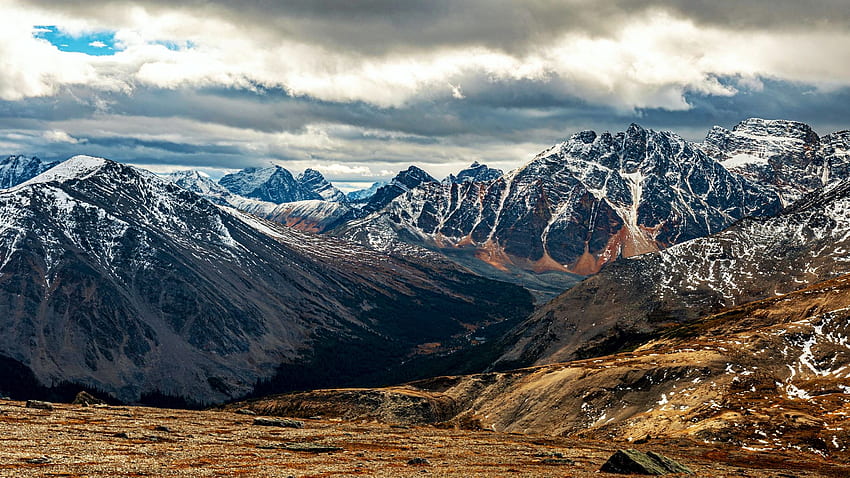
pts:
[787, 155]
[313, 180]
[16, 169]
[127, 284]
[403, 182]
[578, 205]
[475, 173]
[274, 184]
[631, 300]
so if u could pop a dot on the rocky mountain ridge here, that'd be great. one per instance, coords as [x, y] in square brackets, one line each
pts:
[576, 206]
[273, 184]
[313, 180]
[632, 300]
[476, 172]
[786, 155]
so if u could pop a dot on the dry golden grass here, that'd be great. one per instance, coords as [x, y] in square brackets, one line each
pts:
[130, 441]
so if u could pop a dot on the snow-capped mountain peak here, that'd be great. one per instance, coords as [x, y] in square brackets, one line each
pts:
[580, 204]
[274, 184]
[76, 167]
[313, 180]
[787, 156]
[201, 184]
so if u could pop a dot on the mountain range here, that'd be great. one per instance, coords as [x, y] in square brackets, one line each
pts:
[596, 197]
[109, 273]
[115, 279]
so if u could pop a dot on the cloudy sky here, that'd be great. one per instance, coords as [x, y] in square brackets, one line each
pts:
[360, 90]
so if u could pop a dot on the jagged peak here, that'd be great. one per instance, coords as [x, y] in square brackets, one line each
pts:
[189, 173]
[414, 172]
[311, 173]
[776, 128]
[587, 136]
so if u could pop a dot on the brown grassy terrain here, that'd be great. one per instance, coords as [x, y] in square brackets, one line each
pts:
[99, 441]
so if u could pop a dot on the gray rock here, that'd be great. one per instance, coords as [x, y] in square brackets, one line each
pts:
[39, 404]
[86, 399]
[418, 461]
[39, 460]
[634, 462]
[278, 422]
[245, 411]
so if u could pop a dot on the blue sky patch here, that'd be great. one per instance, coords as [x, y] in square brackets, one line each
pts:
[99, 43]
[176, 46]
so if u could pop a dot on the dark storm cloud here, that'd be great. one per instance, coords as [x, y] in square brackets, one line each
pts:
[488, 122]
[377, 27]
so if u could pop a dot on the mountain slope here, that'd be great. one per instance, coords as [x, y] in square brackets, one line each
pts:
[769, 375]
[110, 276]
[18, 168]
[273, 184]
[633, 299]
[576, 206]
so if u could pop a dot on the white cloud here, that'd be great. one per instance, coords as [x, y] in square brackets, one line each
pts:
[457, 93]
[59, 136]
[650, 61]
[97, 44]
[343, 169]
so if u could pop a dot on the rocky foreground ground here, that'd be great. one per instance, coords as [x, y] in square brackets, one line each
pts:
[109, 441]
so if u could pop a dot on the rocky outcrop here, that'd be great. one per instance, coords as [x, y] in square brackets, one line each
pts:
[634, 462]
